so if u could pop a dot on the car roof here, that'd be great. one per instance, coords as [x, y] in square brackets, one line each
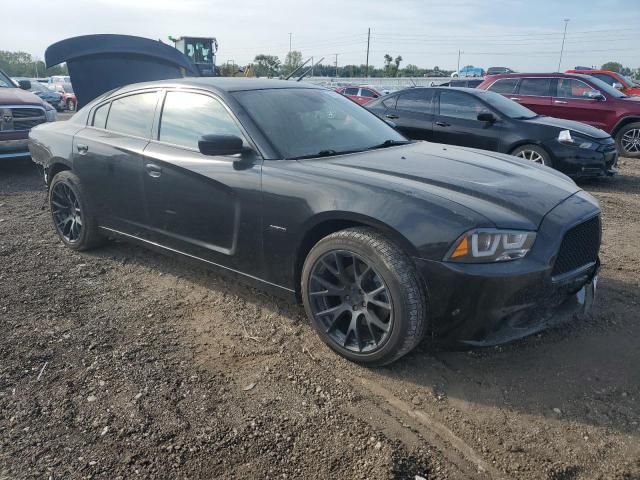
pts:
[545, 75]
[222, 84]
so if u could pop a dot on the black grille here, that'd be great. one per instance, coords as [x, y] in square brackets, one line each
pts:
[26, 112]
[579, 247]
[27, 124]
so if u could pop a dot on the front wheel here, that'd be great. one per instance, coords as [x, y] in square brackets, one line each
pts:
[628, 140]
[71, 105]
[534, 154]
[364, 297]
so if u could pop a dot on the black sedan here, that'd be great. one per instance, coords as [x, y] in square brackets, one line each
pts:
[305, 193]
[486, 120]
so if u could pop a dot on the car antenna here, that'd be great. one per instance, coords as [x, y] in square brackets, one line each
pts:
[296, 70]
[308, 70]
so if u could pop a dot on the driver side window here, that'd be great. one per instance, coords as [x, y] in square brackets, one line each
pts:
[188, 116]
[460, 105]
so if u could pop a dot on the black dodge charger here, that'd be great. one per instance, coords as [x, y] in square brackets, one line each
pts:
[303, 192]
[487, 120]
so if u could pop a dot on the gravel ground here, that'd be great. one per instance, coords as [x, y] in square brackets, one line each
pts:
[122, 363]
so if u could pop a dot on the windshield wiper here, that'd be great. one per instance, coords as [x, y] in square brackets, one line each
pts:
[389, 143]
[323, 153]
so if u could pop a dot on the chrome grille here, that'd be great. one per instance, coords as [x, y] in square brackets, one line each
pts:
[16, 118]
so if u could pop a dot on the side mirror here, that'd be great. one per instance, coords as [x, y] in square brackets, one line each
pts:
[24, 84]
[618, 85]
[220, 145]
[595, 95]
[487, 117]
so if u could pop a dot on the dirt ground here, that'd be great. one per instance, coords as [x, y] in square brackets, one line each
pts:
[123, 363]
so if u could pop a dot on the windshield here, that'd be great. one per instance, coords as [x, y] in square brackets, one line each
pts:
[606, 88]
[302, 122]
[5, 82]
[505, 106]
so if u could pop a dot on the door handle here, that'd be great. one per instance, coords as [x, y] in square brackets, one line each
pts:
[153, 170]
[443, 124]
[392, 116]
[515, 99]
[560, 102]
[82, 148]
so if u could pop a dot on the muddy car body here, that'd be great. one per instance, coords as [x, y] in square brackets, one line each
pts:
[303, 192]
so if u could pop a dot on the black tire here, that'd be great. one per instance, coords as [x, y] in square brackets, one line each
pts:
[71, 106]
[407, 301]
[88, 235]
[628, 140]
[530, 152]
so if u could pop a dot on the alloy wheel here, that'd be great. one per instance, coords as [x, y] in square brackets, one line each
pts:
[67, 215]
[350, 301]
[531, 155]
[631, 141]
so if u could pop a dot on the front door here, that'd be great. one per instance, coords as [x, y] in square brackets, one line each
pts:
[205, 206]
[108, 157]
[572, 102]
[457, 122]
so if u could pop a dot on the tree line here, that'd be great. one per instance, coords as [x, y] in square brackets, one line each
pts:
[270, 66]
[23, 64]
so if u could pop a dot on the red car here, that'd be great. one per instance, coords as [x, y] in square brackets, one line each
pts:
[575, 97]
[360, 95]
[68, 95]
[626, 85]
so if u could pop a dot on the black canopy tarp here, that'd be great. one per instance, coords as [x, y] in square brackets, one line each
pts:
[99, 63]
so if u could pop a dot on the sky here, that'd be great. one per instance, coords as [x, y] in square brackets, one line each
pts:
[525, 35]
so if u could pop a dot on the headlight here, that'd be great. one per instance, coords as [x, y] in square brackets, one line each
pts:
[490, 245]
[567, 138]
[50, 113]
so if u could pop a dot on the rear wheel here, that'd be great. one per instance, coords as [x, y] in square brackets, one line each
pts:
[534, 154]
[71, 215]
[364, 297]
[628, 140]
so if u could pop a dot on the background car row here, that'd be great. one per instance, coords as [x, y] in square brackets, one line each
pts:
[57, 91]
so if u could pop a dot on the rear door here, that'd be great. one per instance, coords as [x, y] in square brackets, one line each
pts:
[571, 102]
[456, 122]
[352, 93]
[108, 157]
[413, 113]
[366, 95]
[535, 93]
[202, 205]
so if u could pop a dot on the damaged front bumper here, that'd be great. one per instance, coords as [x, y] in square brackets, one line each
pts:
[492, 303]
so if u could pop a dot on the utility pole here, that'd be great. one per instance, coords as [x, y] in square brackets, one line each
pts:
[290, 43]
[564, 36]
[459, 52]
[312, 65]
[368, 43]
[336, 64]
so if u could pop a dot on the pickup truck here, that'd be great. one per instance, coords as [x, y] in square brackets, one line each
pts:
[20, 111]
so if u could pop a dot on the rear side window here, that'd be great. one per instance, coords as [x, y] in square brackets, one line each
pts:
[460, 105]
[537, 87]
[133, 115]
[390, 102]
[350, 91]
[419, 100]
[367, 93]
[188, 116]
[100, 116]
[505, 86]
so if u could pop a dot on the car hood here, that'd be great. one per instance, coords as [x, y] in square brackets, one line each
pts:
[509, 192]
[578, 127]
[17, 96]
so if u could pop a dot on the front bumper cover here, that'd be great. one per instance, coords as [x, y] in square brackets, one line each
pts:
[493, 303]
